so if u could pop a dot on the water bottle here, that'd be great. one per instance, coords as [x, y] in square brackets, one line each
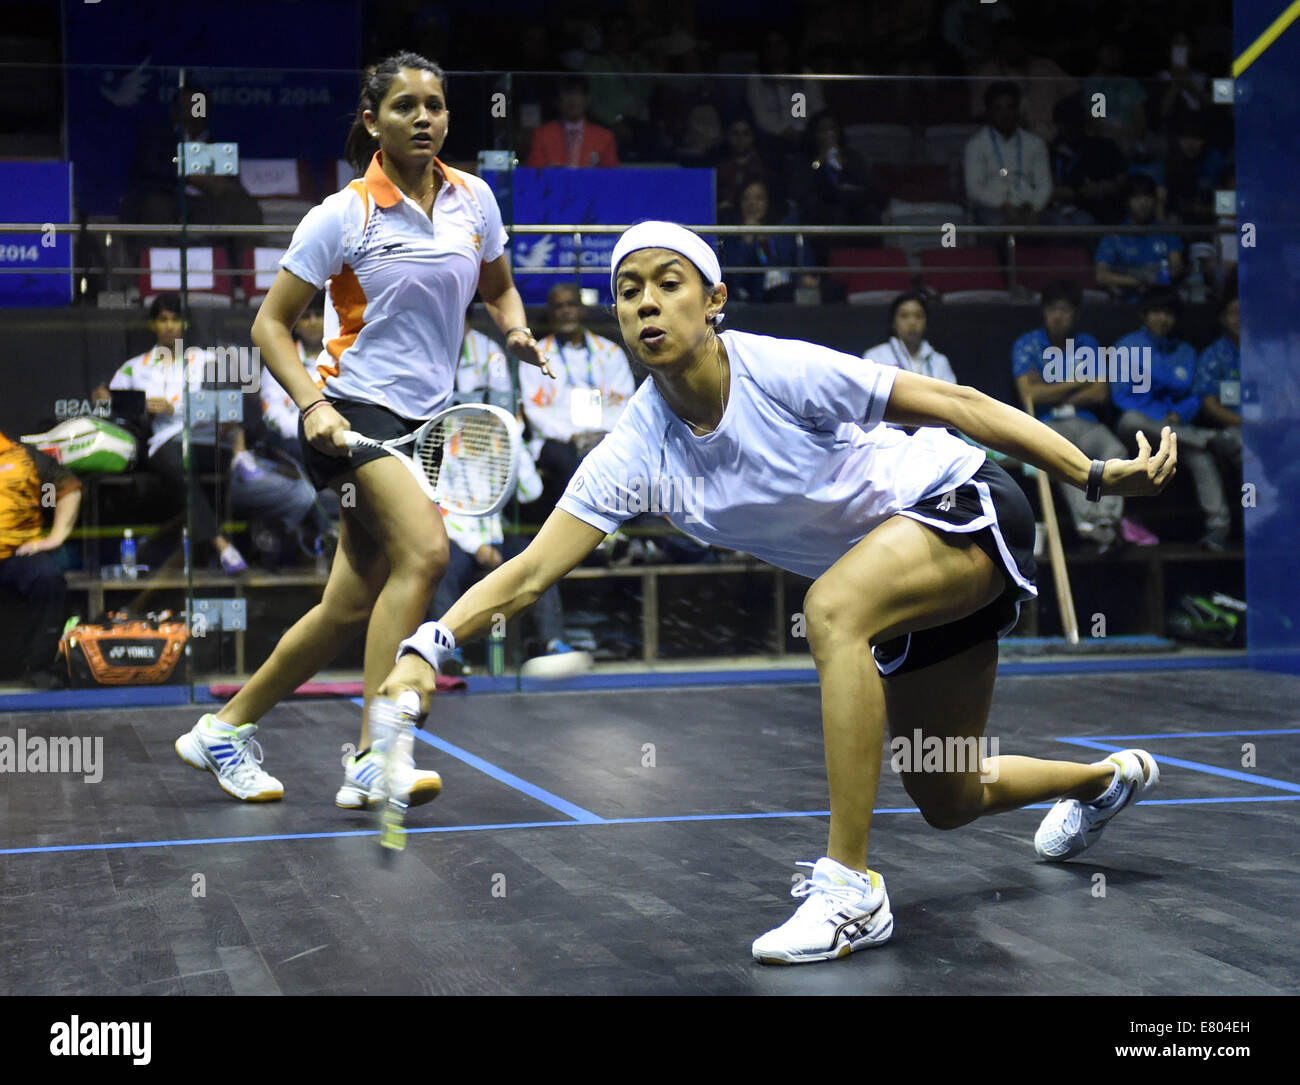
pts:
[322, 562]
[496, 653]
[128, 555]
[1163, 277]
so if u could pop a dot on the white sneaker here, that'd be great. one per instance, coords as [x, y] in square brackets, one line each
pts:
[845, 911]
[1072, 826]
[233, 756]
[363, 779]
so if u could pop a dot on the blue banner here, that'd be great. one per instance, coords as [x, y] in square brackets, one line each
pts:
[36, 192]
[591, 197]
[124, 58]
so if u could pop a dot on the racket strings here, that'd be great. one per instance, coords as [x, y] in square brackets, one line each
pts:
[469, 461]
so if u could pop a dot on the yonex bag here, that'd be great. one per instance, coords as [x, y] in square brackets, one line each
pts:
[87, 445]
[123, 650]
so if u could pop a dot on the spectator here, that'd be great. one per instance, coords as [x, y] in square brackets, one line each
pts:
[1160, 392]
[772, 99]
[1218, 383]
[1126, 263]
[1192, 171]
[28, 479]
[1087, 171]
[1008, 181]
[701, 143]
[573, 140]
[1068, 405]
[1041, 82]
[1123, 100]
[1188, 91]
[907, 347]
[776, 252]
[256, 488]
[280, 419]
[479, 543]
[153, 196]
[568, 416]
[741, 166]
[620, 97]
[833, 183]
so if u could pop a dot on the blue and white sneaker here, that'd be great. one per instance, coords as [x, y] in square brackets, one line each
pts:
[1071, 826]
[845, 911]
[233, 756]
[363, 778]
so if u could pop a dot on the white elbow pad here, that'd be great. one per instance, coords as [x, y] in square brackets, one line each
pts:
[432, 642]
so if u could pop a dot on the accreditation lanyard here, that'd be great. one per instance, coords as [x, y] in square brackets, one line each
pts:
[1020, 154]
[586, 347]
[905, 361]
[584, 403]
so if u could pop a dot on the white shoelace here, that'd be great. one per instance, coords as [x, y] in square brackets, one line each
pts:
[247, 762]
[842, 894]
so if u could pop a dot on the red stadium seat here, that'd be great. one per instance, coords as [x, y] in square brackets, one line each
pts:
[206, 286]
[892, 277]
[1036, 267]
[970, 274]
[261, 264]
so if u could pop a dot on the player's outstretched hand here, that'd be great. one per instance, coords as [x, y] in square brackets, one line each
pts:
[525, 348]
[414, 673]
[1146, 474]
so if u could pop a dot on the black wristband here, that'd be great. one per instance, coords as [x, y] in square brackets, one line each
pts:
[1093, 490]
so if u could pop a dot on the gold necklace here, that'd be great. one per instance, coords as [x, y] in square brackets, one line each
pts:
[721, 401]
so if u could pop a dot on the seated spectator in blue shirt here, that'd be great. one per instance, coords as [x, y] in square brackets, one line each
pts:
[1153, 387]
[1056, 371]
[1218, 381]
[776, 252]
[1127, 263]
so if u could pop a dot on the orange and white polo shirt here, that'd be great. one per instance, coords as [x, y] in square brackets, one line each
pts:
[399, 282]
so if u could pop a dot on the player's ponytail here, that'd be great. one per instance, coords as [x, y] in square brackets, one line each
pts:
[375, 81]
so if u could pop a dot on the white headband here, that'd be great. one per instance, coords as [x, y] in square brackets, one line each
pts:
[670, 236]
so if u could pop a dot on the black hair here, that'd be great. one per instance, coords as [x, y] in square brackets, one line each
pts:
[1062, 290]
[998, 90]
[1162, 298]
[361, 146]
[170, 303]
[903, 299]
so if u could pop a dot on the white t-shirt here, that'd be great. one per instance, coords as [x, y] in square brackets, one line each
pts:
[598, 365]
[484, 368]
[928, 361]
[160, 376]
[279, 411]
[399, 283]
[798, 471]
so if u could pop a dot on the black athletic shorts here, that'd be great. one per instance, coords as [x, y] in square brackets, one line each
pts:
[368, 419]
[993, 510]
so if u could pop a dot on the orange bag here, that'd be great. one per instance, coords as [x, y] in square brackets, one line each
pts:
[124, 650]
